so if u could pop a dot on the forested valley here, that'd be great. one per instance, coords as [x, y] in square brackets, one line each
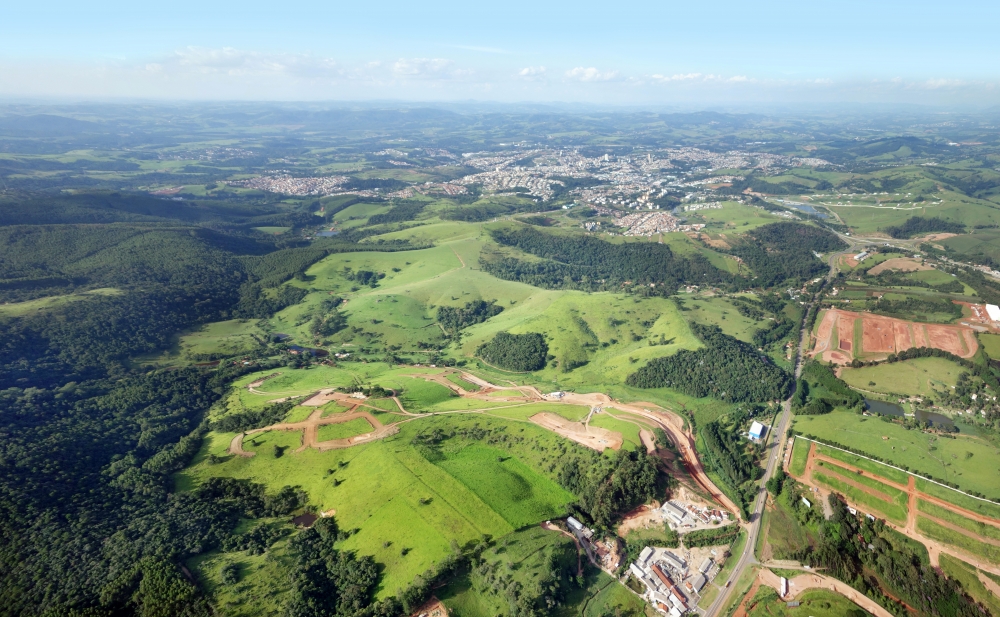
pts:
[88, 442]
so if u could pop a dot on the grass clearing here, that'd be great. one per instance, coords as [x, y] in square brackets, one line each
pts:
[890, 511]
[629, 430]
[968, 576]
[927, 454]
[515, 491]
[352, 428]
[20, 309]
[799, 458]
[940, 533]
[812, 603]
[918, 377]
[944, 514]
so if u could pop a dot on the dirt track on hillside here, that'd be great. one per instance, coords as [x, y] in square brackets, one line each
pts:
[310, 431]
[640, 413]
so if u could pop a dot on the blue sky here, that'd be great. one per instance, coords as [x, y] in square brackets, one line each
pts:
[597, 52]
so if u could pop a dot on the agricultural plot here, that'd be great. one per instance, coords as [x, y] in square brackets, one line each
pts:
[923, 453]
[918, 377]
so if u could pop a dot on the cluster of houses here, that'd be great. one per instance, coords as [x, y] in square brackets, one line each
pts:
[689, 515]
[671, 587]
[605, 552]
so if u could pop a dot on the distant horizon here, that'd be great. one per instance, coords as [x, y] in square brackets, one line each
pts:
[638, 53]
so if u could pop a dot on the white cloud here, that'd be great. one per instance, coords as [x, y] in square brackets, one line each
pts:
[591, 74]
[237, 62]
[677, 77]
[427, 68]
[531, 72]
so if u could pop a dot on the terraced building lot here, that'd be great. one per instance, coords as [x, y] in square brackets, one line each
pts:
[936, 519]
[844, 335]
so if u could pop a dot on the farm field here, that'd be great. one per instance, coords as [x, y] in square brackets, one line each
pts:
[923, 453]
[917, 377]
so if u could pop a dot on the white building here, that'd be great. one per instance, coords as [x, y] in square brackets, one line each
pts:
[993, 311]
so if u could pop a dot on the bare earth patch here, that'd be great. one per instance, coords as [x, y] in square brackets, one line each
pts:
[590, 436]
[903, 264]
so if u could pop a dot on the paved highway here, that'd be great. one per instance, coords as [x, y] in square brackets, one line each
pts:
[776, 441]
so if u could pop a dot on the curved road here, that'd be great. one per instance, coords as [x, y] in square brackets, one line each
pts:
[776, 440]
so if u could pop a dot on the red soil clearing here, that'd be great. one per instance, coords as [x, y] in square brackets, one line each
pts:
[885, 335]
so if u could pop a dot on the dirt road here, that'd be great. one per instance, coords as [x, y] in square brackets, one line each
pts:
[310, 431]
[909, 528]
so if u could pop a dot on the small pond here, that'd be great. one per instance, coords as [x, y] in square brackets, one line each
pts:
[892, 409]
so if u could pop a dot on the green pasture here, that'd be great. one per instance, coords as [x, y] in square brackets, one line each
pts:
[985, 241]
[512, 489]
[918, 377]
[889, 473]
[410, 497]
[812, 603]
[343, 430]
[800, 456]
[20, 309]
[972, 504]
[924, 453]
[895, 495]
[971, 545]
[719, 311]
[990, 344]
[864, 216]
[592, 336]
[734, 217]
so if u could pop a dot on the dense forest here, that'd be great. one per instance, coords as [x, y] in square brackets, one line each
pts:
[781, 252]
[453, 319]
[725, 368]
[917, 225]
[609, 486]
[584, 262]
[89, 441]
[515, 352]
